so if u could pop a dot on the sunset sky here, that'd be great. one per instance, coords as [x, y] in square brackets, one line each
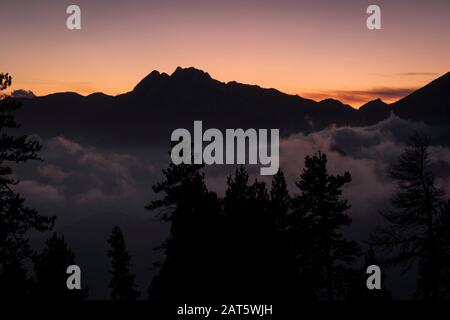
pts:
[316, 49]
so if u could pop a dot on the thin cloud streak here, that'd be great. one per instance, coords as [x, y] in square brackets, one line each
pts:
[360, 97]
[418, 74]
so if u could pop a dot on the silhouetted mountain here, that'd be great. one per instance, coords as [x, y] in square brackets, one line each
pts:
[375, 106]
[375, 110]
[430, 104]
[333, 104]
[150, 83]
[161, 103]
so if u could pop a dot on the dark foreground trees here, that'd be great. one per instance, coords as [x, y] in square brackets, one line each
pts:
[50, 268]
[192, 249]
[16, 220]
[321, 212]
[417, 223]
[122, 281]
[254, 242]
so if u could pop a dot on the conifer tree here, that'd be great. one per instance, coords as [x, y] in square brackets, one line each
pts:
[322, 213]
[285, 264]
[255, 264]
[280, 200]
[50, 267]
[16, 220]
[122, 281]
[410, 235]
[191, 266]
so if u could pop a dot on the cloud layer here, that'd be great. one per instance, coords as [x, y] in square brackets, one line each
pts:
[79, 177]
[91, 188]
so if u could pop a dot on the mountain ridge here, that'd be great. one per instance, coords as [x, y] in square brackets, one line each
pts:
[156, 77]
[160, 103]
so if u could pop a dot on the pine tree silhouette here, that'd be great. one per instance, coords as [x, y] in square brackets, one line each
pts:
[50, 268]
[122, 281]
[275, 246]
[322, 214]
[16, 220]
[411, 234]
[191, 268]
[285, 265]
[280, 200]
[250, 238]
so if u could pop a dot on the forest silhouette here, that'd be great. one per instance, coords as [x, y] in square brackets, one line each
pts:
[257, 241]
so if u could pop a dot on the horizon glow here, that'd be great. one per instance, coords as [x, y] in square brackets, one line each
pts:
[316, 49]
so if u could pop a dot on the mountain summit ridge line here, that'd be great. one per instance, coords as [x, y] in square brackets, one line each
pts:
[160, 103]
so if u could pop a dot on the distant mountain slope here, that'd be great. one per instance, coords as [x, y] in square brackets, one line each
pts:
[375, 110]
[430, 104]
[160, 103]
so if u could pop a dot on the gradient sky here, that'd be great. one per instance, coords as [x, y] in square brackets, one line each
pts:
[316, 49]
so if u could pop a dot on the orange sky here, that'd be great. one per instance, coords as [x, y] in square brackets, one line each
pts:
[316, 49]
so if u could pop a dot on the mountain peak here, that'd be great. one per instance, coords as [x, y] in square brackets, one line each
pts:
[334, 103]
[152, 79]
[330, 100]
[190, 73]
[374, 104]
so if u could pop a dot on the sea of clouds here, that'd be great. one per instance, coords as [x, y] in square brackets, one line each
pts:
[91, 188]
